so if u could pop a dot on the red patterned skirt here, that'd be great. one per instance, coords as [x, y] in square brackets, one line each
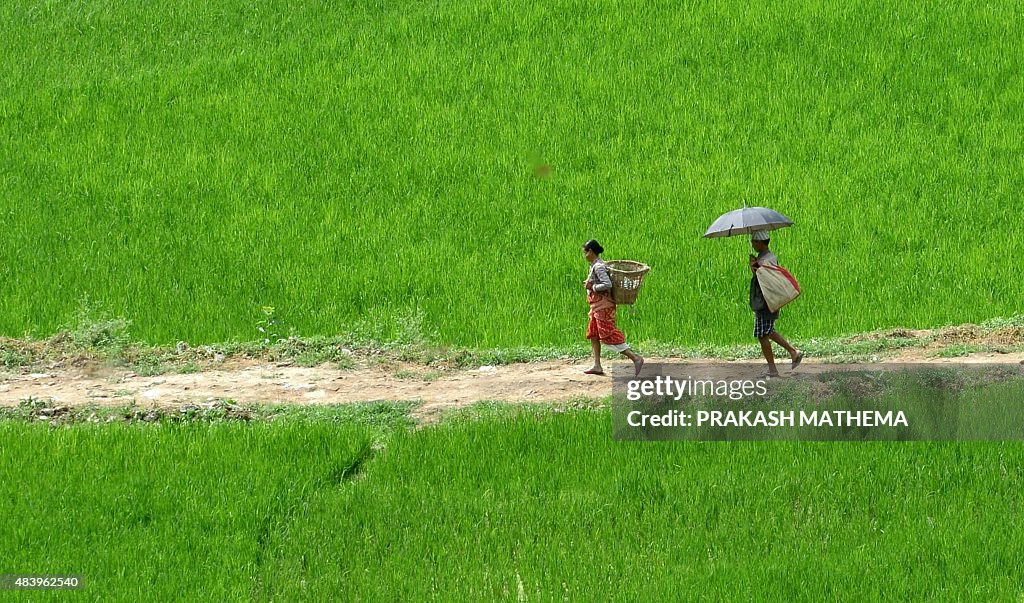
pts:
[602, 323]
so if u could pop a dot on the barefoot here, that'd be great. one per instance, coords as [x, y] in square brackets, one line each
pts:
[637, 365]
[594, 371]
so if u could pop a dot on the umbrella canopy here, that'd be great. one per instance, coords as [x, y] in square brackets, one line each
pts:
[745, 221]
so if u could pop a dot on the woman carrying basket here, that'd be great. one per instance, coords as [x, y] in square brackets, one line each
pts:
[601, 328]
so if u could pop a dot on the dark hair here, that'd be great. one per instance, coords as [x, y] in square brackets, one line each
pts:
[593, 245]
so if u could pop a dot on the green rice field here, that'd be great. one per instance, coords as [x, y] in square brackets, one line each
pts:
[355, 164]
[426, 173]
[505, 507]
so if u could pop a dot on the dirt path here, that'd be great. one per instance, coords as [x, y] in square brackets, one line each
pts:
[250, 381]
[247, 382]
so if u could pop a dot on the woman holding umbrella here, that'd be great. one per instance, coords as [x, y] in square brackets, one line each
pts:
[601, 328]
[764, 318]
[757, 221]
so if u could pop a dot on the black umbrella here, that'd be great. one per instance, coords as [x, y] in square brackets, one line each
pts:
[746, 221]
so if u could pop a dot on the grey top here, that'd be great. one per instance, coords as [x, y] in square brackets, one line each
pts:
[599, 276]
[767, 257]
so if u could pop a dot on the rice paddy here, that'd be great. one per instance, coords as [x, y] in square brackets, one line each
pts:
[426, 172]
[520, 506]
[361, 165]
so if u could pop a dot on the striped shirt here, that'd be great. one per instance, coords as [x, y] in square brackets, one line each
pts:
[599, 276]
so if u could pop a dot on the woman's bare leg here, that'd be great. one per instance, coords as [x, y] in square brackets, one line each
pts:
[597, 355]
[638, 360]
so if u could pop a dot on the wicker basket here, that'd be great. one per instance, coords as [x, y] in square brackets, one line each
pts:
[627, 276]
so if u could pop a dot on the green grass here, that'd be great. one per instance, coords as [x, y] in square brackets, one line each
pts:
[480, 507]
[379, 418]
[146, 511]
[354, 349]
[959, 350]
[411, 375]
[370, 171]
[185, 164]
